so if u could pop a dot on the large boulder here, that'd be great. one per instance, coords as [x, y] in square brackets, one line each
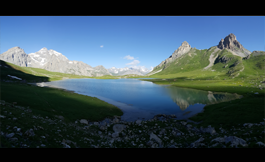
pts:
[30, 133]
[235, 141]
[197, 143]
[117, 128]
[157, 139]
[208, 130]
[83, 121]
[138, 121]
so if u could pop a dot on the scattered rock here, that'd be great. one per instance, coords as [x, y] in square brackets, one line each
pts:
[138, 121]
[117, 128]
[248, 124]
[260, 144]
[103, 127]
[83, 121]
[149, 143]
[197, 143]
[183, 122]
[172, 146]
[115, 120]
[2, 116]
[208, 130]
[235, 141]
[115, 135]
[158, 140]
[29, 132]
[10, 135]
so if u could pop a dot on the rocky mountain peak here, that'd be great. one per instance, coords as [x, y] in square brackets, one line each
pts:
[229, 42]
[185, 44]
[232, 44]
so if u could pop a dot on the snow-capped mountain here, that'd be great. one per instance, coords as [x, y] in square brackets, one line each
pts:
[51, 60]
[139, 70]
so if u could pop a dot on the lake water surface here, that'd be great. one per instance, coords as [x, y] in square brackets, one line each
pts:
[143, 99]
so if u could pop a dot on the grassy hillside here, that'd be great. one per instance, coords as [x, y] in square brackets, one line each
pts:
[229, 73]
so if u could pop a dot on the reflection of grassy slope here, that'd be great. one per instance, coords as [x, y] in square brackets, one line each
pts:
[195, 96]
[248, 109]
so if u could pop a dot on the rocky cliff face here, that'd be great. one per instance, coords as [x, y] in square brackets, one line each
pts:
[51, 60]
[184, 48]
[15, 55]
[232, 44]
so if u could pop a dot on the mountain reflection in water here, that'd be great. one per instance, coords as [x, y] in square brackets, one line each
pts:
[184, 97]
[142, 99]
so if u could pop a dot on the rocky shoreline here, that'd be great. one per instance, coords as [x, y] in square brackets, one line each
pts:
[163, 131]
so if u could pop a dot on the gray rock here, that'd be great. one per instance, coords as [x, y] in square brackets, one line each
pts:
[30, 133]
[138, 121]
[96, 123]
[208, 130]
[103, 127]
[183, 123]
[2, 116]
[248, 124]
[260, 143]
[197, 143]
[154, 145]
[83, 121]
[235, 141]
[163, 131]
[13, 139]
[149, 143]
[115, 120]
[141, 146]
[103, 123]
[115, 135]
[117, 128]
[10, 135]
[157, 139]
[218, 139]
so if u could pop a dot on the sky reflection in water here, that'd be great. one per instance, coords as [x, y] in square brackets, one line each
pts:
[142, 99]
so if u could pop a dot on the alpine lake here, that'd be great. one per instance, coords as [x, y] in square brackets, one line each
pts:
[142, 99]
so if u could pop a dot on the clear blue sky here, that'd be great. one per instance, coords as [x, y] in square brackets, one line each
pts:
[107, 40]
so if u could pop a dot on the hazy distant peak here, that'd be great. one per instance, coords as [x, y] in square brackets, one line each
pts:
[44, 49]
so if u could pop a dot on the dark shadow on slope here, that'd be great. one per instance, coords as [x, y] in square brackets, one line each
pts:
[7, 71]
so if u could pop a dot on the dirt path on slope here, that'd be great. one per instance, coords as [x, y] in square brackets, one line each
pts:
[212, 58]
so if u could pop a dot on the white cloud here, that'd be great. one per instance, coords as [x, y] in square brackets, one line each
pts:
[134, 62]
[128, 57]
[101, 46]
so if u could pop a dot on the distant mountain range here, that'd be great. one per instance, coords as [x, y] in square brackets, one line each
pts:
[131, 70]
[51, 60]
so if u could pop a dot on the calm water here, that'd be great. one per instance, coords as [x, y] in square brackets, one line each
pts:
[142, 99]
